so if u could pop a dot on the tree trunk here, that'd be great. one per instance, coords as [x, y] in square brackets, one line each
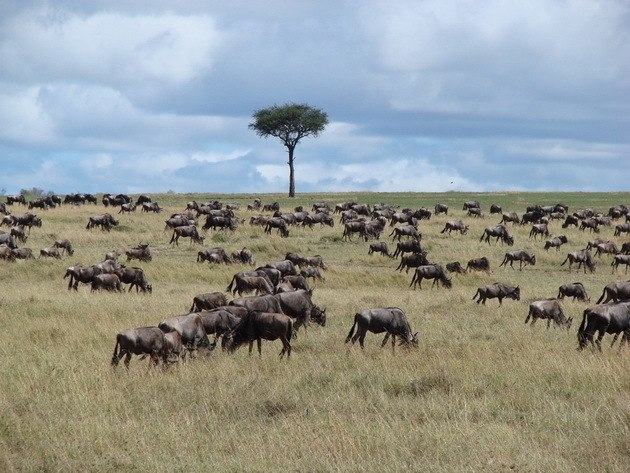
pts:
[291, 173]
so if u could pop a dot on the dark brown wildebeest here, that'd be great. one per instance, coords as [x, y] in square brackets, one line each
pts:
[593, 243]
[320, 217]
[50, 252]
[126, 208]
[571, 220]
[140, 341]
[6, 253]
[539, 229]
[582, 257]
[620, 259]
[405, 230]
[455, 267]
[297, 282]
[274, 275]
[456, 225]
[312, 272]
[622, 228]
[286, 267]
[214, 255]
[6, 239]
[234, 282]
[412, 261]
[258, 284]
[575, 290]
[81, 273]
[522, 256]
[134, 277]
[532, 216]
[495, 209]
[190, 328]
[471, 204]
[430, 271]
[22, 253]
[591, 223]
[151, 207]
[604, 318]
[278, 223]
[186, 231]
[391, 320]
[499, 232]
[65, 246]
[16, 199]
[380, 247]
[609, 247]
[409, 246]
[179, 221]
[373, 228]
[267, 303]
[475, 212]
[220, 221]
[142, 198]
[208, 301]
[440, 209]
[219, 322]
[104, 221]
[352, 227]
[299, 305]
[257, 326]
[18, 233]
[478, 264]
[549, 309]
[510, 217]
[556, 242]
[108, 282]
[499, 291]
[615, 291]
[141, 252]
[244, 256]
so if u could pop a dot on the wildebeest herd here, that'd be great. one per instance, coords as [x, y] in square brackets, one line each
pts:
[274, 300]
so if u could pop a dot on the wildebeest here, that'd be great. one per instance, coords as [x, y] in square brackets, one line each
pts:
[140, 341]
[18, 233]
[190, 327]
[475, 212]
[208, 301]
[510, 217]
[539, 229]
[478, 264]
[455, 267]
[179, 221]
[81, 273]
[440, 209]
[104, 221]
[6, 253]
[320, 217]
[471, 204]
[405, 230]
[412, 261]
[299, 305]
[352, 227]
[64, 245]
[218, 321]
[186, 231]
[575, 290]
[126, 208]
[522, 256]
[549, 309]
[108, 282]
[297, 282]
[50, 252]
[266, 303]
[409, 246]
[556, 242]
[286, 267]
[609, 247]
[258, 326]
[380, 247]
[499, 232]
[499, 291]
[278, 223]
[604, 318]
[134, 277]
[622, 228]
[391, 320]
[213, 255]
[22, 253]
[456, 225]
[151, 207]
[620, 259]
[257, 283]
[430, 271]
[495, 209]
[591, 223]
[244, 256]
[141, 252]
[615, 291]
[239, 278]
[582, 257]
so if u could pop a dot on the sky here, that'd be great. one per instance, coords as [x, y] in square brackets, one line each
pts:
[150, 96]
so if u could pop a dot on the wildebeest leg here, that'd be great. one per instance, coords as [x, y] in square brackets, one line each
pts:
[259, 343]
[548, 323]
[385, 339]
[615, 339]
[251, 347]
[361, 336]
[127, 359]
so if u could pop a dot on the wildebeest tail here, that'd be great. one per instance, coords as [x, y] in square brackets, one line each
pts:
[352, 329]
[583, 324]
[603, 295]
[478, 293]
[229, 288]
[116, 351]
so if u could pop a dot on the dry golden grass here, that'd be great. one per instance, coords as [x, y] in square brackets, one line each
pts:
[483, 392]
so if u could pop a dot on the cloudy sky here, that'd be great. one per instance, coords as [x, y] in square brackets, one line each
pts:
[422, 95]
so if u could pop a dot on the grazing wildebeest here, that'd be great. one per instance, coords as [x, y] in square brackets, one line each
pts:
[478, 264]
[430, 271]
[582, 257]
[391, 320]
[213, 255]
[532, 216]
[549, 309]
[6, 253]
[455, 267]
[186, 231]
[539, 229]
[570, 220]
[499, 232]
[140, 341]
[575, 290]
[615, 291]
[352, 227]
[412, 261]
[522, 256]
[208, 301]
[259, 284]
[591, 223]
[475, 212]
[622, 228]
[471, 204]
[64, 245]
[510, 217]
[499, 291]
[134, 277]
[456, 225]
[244, 256]
[620, 259]
[405, 230]
[312, 272]
[604, 318]
[266, 303]
[440, 209]
[80, 273]
[18, 233]
[179, 221]
[286, 267]
[141, 252]
[104, 221]
[609, 247]
[593, 243]
[219, 322]
[22, 253]
[126, 208]
[151, 207]
[409, 246]
[495, 209]
[380, 247]
[256, 326]
[50, 252]
[234, 282]
[299, 305]
[556, 242]
[6, 239]
[190, 327]
[320, 217]
[280, 224]
[108, 282]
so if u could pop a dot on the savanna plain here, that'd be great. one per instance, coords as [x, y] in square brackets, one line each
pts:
[482, 392]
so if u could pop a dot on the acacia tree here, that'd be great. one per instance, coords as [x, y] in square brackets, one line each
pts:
[290, 123]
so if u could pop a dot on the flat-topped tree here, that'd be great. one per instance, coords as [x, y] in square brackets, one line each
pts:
[290, 123]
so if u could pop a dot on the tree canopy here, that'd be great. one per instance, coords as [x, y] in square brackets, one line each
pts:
[290, 123]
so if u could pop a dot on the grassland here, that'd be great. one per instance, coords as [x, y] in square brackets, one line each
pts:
[483, 392]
